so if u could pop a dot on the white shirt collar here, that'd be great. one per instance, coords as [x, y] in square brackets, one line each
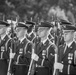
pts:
[44, 41]
[69, 44]
[3, 36]
[22, 39]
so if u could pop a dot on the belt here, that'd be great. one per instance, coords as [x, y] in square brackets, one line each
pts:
[1, 58]
[20, 64]
[39, 65]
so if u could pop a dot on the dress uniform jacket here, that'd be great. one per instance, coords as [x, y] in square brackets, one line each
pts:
[63, 58]
[30, 37]
[18, 65]
[46, 69]
[19, 61]
[3, 56]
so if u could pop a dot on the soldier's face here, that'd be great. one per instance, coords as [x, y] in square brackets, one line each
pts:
[42, 32]
[68, 35]
[20, 32]
[2, 30]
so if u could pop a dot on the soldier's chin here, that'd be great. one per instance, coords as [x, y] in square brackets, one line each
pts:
[66, 40]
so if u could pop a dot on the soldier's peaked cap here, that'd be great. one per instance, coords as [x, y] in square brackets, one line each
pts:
[29, 22]
[64, 22]
[45, 24]
[4, 23]
[69, 27]
[22, 24]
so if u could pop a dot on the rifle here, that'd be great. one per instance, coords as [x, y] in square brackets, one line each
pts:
[32, 66]
[12, 48]
[56, 45]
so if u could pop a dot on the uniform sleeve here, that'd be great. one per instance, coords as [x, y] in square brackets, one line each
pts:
[27, 56]
[48, 62]
[7, 50]
[6, 55]
[28, 50]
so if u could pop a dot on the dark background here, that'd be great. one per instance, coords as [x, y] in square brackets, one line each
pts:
[37, 9]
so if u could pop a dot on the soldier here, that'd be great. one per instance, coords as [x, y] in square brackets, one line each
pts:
[66, 56]
[19, 66]
[43, 51]
[30, 36]
[3, 52]
[19, 60]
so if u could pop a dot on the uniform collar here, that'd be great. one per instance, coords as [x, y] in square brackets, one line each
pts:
[22, 39]
[69, 44]
[44, 41]
[3, 36]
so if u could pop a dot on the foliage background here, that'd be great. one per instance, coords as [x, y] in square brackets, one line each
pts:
[37, 9]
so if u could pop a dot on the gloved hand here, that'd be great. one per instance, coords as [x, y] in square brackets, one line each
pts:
[58, 66]
[35, 57]
[12, 55]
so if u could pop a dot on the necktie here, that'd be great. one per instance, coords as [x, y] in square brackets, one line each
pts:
[65, 48]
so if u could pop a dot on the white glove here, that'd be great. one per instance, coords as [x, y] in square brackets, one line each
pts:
[35, 57]
[12, 55]
[58, 66]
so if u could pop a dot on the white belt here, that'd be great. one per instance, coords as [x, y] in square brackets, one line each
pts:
[39, 65]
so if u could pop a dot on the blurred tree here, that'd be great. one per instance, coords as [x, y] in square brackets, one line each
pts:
[34, 8]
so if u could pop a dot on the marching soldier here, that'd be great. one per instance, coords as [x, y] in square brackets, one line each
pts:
[67, 52]
[19, 66]
[3, 52]
[30, 32]
[19, 60]
[43, 51]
